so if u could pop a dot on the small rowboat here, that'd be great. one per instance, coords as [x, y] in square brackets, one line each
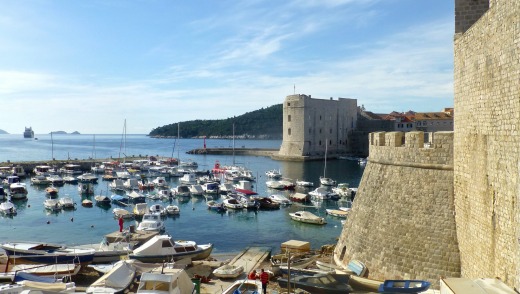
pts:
[228, 271]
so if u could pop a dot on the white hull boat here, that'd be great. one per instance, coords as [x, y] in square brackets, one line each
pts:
[228, 271]
[307, 217]
[161, 247]
[244, 287]
[117, 280]
[151, 222]
[8, 208]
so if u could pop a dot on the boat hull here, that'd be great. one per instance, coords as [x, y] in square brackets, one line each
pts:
[194, 255]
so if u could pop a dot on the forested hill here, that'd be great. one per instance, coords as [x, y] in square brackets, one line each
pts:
[265, 123]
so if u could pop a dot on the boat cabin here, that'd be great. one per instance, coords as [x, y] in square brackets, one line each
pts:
[71, 169]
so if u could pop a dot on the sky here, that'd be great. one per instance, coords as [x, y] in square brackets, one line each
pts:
[88, 66]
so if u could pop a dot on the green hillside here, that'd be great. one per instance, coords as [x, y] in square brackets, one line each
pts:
[265, 123]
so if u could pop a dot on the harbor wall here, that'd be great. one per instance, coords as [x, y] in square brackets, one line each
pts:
[402, 224]
[487, 142]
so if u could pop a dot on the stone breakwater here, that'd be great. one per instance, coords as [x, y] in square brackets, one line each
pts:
[236, 151]
[402, 224]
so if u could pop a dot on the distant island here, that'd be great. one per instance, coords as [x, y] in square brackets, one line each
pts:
[265, 123]
[2, 132]
[64, 133]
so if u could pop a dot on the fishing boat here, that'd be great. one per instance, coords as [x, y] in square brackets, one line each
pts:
[404, 286]
[228, 271]
[36, 252]
[161, 247]
[102, 200]
[244, 287]
[232, 203]
[117, 280]
[86, 203]
[307, 217]
[57, 270]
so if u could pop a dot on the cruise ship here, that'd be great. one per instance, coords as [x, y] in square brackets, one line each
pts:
[28, 133]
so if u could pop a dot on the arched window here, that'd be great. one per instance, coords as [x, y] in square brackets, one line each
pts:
[289, 131]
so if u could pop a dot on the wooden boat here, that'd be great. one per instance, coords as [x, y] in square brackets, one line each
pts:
[404, 286]
[337, 213]
[228, 271]
[161, 247]
[327, 266]
[319, 284]
[117, 280]
[307, 217]
[43, 286]
[102, 200]
[267, 203]
[35, 252]
[244, 287]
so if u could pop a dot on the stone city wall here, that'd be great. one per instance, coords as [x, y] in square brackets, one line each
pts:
[487, 144]
[402, 224]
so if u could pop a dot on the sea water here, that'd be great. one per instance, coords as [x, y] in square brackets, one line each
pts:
[229, 232]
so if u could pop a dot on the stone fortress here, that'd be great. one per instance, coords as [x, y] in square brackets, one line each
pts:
[312, 125]
[452, 207]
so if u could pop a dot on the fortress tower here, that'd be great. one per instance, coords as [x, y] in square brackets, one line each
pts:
[310, 125]
[402, 223]
[453, 208]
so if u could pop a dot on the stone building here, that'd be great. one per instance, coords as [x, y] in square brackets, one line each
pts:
[310, 126]
[453, 208]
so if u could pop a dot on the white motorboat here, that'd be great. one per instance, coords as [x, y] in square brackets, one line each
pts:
[280, 199]
[102, 200]
[188, 179]
[165, 194]
[173, 210]
[232, 203]
[119, 212]
[131, 184]
[117, 185]
[247, 202]
[18, 191]
[342, 189]
[196, 190]
[275, 185]
[56, 180]
[327, 181]
[307, 217]
[211, 188]
[51, 204]
[303, 183]
[226, 188]
[40, 180]
[47, 253]
[161, 247]
[66, 203]
[157, 208]
[51, 191]
[320, 193]
[273, 174]
[49, 286]
[70, 180]
[136, 197]
[244, 287]
[151, 222]
[7, 208]
[88, 178]
[140, 209]
[117, 280]
[160, 182]
[182, 191]
[228, 271]
[44, 170]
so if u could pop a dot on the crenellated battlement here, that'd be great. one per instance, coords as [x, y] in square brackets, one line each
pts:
[411, 149]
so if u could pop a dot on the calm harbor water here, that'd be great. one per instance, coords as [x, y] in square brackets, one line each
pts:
[230, 232]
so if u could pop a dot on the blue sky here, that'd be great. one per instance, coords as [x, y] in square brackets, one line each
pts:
[88, 65]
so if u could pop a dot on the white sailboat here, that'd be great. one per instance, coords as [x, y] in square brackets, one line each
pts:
[324, 180]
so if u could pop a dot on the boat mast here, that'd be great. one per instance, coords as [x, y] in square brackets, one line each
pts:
[178, 137]
[233, 144]
[52, 147]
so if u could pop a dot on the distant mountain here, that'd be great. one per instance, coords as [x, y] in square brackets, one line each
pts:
[265, 123]
[64, 133]
[2, 132]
